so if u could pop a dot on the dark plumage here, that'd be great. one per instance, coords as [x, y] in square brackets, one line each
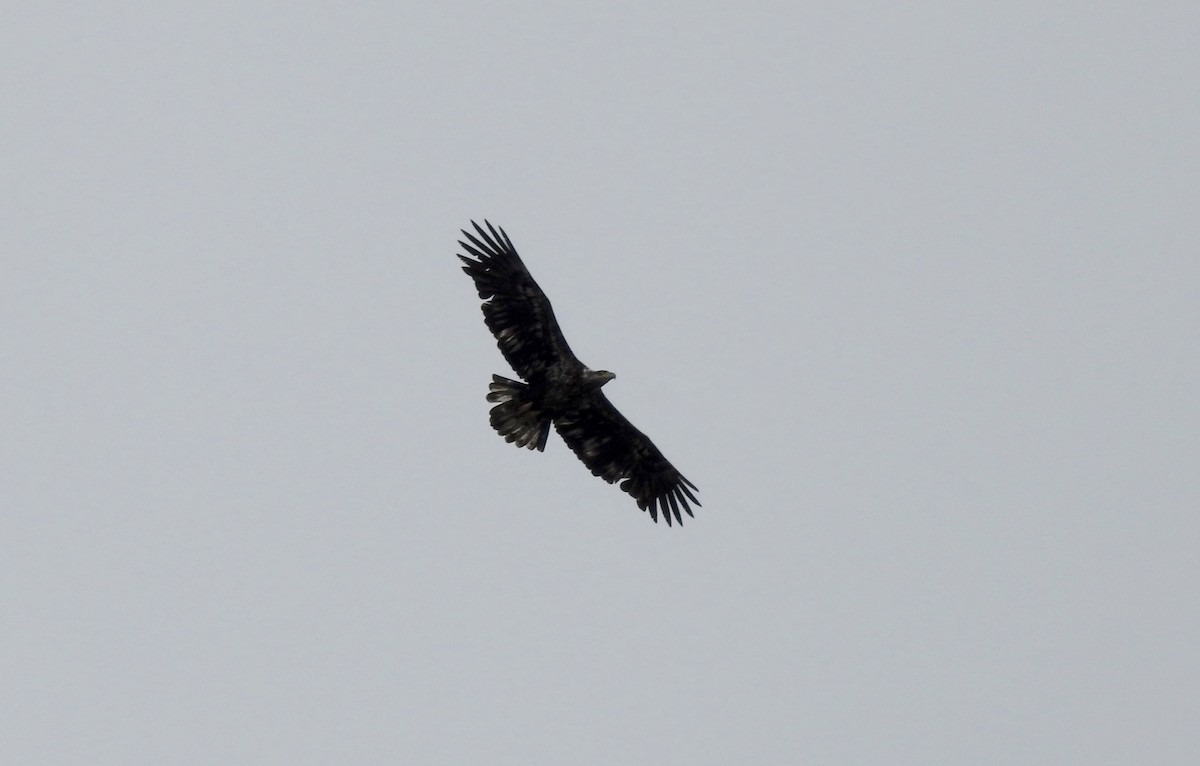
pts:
[558, 388]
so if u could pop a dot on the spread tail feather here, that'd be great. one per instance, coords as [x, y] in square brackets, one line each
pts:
[515, 416]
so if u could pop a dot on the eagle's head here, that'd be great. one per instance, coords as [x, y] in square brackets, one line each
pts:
[597, 378]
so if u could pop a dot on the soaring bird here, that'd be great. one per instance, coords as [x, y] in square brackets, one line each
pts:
[558, 388]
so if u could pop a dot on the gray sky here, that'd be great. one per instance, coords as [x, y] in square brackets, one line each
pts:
[909, 292]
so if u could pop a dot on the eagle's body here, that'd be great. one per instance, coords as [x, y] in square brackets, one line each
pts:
[559, 388]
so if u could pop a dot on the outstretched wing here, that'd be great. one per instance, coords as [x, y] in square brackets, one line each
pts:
[613, 449]
[516, 310]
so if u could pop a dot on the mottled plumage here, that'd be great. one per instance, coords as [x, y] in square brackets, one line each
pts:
[557, 387]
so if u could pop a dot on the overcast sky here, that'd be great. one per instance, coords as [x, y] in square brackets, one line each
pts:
[908, 290]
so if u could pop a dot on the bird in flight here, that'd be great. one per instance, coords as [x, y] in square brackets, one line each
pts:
[558, 388]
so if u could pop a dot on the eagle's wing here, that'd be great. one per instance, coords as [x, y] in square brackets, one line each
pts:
[613, 449]
[519, 313]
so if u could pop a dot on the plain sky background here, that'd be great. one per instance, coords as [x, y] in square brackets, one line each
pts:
[909, 290]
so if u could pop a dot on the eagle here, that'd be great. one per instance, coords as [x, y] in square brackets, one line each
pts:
[558, 388]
